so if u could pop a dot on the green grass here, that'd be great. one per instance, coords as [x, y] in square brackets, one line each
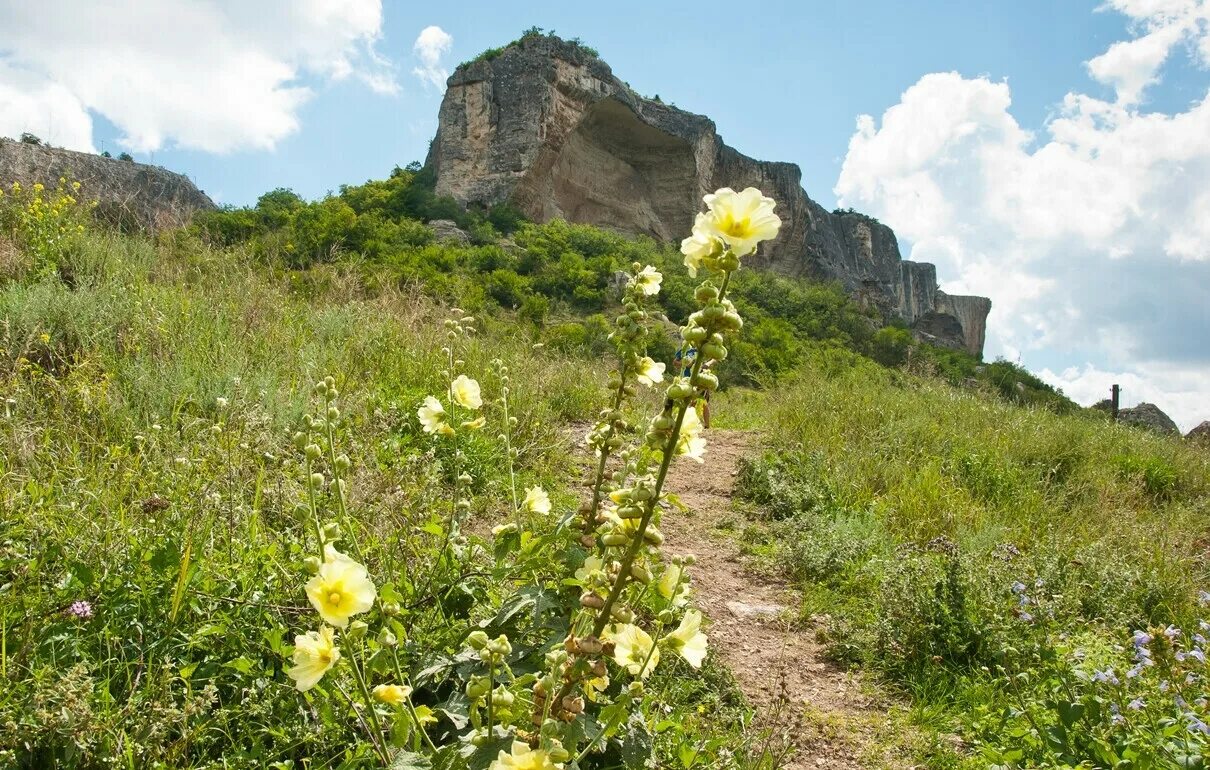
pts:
[906, 509]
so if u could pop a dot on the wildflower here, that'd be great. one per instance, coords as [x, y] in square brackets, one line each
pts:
[690, 442]
[523, 757]
[1117, 717]
[475, 424]
[1018, 587]
[314, 653]
[505, 529]
[633, 649]
[341, 589]
[432, 416]
[1196, 725]
[1172, 631]
[648, 280]
[650, 372]
[1025, 617]
[1203, 598]
[1197, 655]
[700, 245]
[591, 565]
[392, 694]
[536, 500]
[1107, 676]
[466, 392]
[1140, 639]
[687, 640]
[741, 219]
[80, 609]
[1136, 705]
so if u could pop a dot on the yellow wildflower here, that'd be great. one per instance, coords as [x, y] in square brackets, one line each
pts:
[342, 588]
[393, 694]
[466, 392]
[690, 442]
[591, 564]
[633, 649]
[476, 423]
[536, 501]
[741, 219]
[674, 585]
[700, 245]
[648, 280]
[523, 757]
[687, 640]
[650, 372]
[432, 416]
[314, 653]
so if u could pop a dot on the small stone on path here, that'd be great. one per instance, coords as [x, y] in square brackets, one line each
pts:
[745, 611]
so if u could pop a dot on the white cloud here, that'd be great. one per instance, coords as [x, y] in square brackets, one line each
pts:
[1182, 395]
[214, 75]
[1092, 237]
[32, 103]
[431, 45]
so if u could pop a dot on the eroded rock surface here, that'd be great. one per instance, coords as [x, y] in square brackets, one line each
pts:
[547, 126]
[1149, 416]
[131, 194]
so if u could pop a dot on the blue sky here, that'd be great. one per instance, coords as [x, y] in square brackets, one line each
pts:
[1050, 155]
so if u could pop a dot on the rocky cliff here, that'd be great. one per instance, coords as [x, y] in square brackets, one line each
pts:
[129, 194]
[545, 124]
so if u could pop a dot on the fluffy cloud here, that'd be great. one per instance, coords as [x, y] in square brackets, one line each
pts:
[214, 75]
[1092, 237]
[431, 45]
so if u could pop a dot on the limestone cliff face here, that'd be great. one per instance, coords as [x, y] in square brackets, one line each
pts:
[548, 127]
[132, 194]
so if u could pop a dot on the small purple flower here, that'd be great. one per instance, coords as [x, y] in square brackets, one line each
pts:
[1172, 632]
[1199, 639]
[1106, 676]
[1025, 617]
[1190, 678]
[1204, 598]
[1141, 639]
[1018, 587]
[80, 609]
[1180, 656]
[1134, 671]
[1197, 655]
[1136, 704]
[1196, 725]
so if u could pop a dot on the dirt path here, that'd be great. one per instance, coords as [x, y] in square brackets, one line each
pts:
[782, 671]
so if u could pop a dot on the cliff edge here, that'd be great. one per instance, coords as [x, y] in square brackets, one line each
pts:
[545, 125]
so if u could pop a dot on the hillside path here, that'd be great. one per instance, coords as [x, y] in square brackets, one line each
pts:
[818, 707]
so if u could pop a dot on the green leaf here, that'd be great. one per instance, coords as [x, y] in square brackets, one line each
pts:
[410, 760]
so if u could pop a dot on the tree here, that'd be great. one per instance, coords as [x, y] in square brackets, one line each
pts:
[126, 157]
[28, 138]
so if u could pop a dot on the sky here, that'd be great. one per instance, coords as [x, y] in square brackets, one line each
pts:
[1054, 156]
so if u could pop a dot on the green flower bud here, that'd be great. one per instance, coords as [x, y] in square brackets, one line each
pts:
[679, 391]
[391, 609]
[331, 532]
[317, 480]
[622, 613]
[502, 697]
[386, 638]
[313, 452]
[333, 413]
[477, 640]
[706, 293]
[311, 565]
[714, 352]
[557, 753]
[653, 536]
[630, 512]
[705, 381]
[477, 687]
[694, 334]
[613, 540]
[640, 573]
[713, 313]
[356, 629]
[500, 646]
[732, 321]
[343, 463]
[299, 440]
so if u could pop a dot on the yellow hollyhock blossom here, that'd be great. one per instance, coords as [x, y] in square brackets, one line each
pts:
[523, 757]
[741, 219]
[632, 648]
[536, 500]
[393, 694]
[591, 564]
[466, 392]
[690, 442]
[687, 640]
[432, 416]
[674, 585]
[700, 245]
[476, 423]
[314, 653]
[648, 280]
[341, 589]
[649, 371]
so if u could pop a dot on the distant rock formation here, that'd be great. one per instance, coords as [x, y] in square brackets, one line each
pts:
[1201, 434]
[1149, 416]
[129, 194]
[545, 124]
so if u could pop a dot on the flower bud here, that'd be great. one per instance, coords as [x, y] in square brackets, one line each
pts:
[680, 391]
[464, 478]
[331, 532]
[573, 704]
[500, 646]
[477, 640]
[732, 321]
[653, 536]
[705, 381]
[391, 609]
[311, 565]
[613, 539]
[502, 697]
[317, 480]
[387, 639]
[630, 512]
[313, 452]
[300, 440]
[621, 613]
[640, 573]
[356, 629]
[477, 687]
[591, 600]
[343, 463]
[706, 293]
[694, 334]
[557, 753]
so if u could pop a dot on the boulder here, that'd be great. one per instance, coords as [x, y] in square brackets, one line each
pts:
[1149, 416]
[131, 195]
[448, 231]
[544, 124]
[1200, 434]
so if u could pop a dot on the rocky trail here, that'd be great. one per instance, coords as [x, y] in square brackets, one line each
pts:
[814, 707]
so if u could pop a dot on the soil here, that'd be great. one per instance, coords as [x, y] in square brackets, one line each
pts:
[813, 707]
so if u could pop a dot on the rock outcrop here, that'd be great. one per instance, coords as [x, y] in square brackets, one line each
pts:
[1201, 434]
[546, 125]
[1149, 416]
[129, 194]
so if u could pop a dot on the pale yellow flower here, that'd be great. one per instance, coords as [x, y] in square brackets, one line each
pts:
[476, 423]
[687, 640]
[690, 442]
[649, 371]
[432, 415]
[648, 280]
[633, 649]
[700, 245]
[741, 219]
[523, 757]
[342, 588]
[314, 653]
[536, 500]
[674, 585]
[393, 694]
[591, 564]
[466, 392]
